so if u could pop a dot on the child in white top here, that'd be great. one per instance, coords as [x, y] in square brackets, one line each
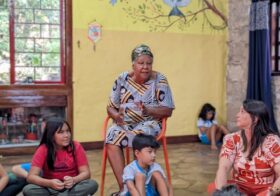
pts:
[143, 176]
[209, 131]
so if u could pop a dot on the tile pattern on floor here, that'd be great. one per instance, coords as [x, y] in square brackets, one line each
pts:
[193, 167]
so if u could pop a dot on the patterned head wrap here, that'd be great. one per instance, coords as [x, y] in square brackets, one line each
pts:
[141, 50]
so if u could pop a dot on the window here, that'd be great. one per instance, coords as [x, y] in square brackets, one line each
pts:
[274, 35]
[33, 36]
[32, 41]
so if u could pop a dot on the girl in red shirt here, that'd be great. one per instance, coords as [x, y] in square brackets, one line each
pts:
[62, 164]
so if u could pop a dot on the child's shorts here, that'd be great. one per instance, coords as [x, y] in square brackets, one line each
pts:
[204, 139]
[150, 191]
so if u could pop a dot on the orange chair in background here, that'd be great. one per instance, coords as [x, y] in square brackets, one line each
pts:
[161, 137]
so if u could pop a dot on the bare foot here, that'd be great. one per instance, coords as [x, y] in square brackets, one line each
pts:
[214, 147]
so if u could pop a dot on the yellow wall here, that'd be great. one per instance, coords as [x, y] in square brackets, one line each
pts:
[194, 63]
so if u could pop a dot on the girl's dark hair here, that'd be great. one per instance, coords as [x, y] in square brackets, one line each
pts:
[141, 141]
[207, 107]
[53, 125]
[260, 125]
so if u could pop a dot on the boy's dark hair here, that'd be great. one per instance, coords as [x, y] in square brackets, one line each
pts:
[141, 141]
[228, 190]
[207, 107]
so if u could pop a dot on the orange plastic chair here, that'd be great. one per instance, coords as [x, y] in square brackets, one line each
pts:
[161, 137]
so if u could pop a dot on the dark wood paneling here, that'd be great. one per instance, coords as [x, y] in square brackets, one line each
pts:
[32, 101]
[33, 90]
[17, 151]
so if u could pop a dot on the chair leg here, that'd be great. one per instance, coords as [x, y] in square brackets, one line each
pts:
[104, 160]
[166, 159]
[127, 155]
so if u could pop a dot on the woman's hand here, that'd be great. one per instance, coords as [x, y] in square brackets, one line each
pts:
[157, 112]
[142, 107]
[56, 184]
[68, 182]
[117, 116]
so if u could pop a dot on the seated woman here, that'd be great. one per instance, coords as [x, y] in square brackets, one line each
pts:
[209, 131]
[139, 99]
[253, 153]
[62, 163]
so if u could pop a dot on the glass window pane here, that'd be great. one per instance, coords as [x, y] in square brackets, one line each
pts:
[18, 127]
[24, 16]
[27, 30]
[47, 74]
[47, 16]
[47, 45]
[24, 73]
[50, 4]
[24, 45]
[50, 31]
[51, 59]
[37, 41]
[4, 46]
[28, 59]
[27, 3]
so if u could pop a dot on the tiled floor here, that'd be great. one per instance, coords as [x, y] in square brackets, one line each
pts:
[193, 166]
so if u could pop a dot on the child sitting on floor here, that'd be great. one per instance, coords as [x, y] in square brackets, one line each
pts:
[144, 176]
[209, 131]
[21, 170]
[10, 185]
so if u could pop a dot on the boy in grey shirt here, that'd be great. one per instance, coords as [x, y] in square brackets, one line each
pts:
[144, 175]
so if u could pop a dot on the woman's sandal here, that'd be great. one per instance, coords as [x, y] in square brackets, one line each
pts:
[115, 194]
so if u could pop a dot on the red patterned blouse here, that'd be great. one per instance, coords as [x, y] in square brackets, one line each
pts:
[256, 175]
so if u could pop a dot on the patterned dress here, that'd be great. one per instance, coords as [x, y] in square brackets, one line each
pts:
[124, 95]
[252, 177]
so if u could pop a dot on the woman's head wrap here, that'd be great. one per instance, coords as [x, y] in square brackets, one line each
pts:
[141, 50]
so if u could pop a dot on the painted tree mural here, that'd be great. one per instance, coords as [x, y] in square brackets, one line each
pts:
[153, 13]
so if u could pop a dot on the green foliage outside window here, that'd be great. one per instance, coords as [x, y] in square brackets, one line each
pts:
[37, 41]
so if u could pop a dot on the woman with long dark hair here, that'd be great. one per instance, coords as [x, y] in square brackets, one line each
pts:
[62, 162]
[252, 154]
